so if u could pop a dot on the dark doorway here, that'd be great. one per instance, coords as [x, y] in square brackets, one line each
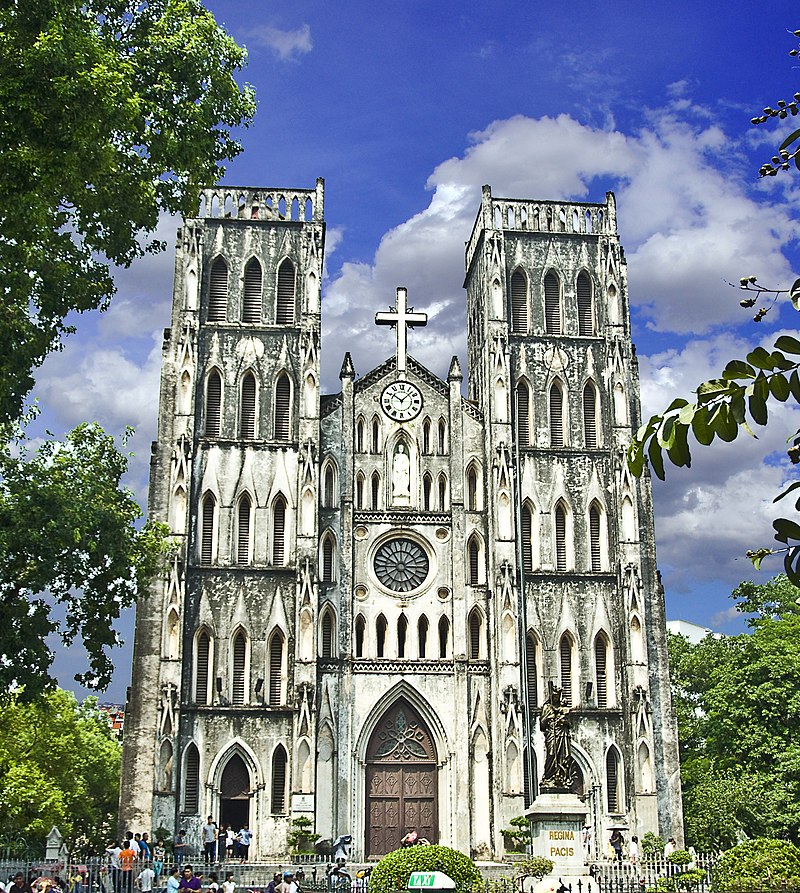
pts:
[401, 781]
[235, 794]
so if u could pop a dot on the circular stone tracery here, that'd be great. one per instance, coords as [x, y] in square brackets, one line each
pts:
[401, 565]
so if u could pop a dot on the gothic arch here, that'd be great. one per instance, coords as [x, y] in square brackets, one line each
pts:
[615, 780]
[518, 288]
[552, 303]
[361, 427]
[524, 412]
[558, 413]
[563, 536]
[584, 291]
[476, 563]
[330, 481]
[252, 291]
[239, 747]
[282, 406]
[590, 404]
[203, 665]
[248, 405]
[279, 530]
[361, 483]
[645, 767]
[276, 667]
[244, 528]
[285, 292]
[192, 788]
[474, 491]
[217, 307]
[476, 634]
[213, 402]
[327, 632]
[604, 675]
[327, 557]
[569, 668]
[360, 627]
[529, 521]
[239, 665]
[279, 778]
[597, 539]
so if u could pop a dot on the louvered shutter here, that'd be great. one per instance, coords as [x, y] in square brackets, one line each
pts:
[556, 415]
[565, 651]
[360, 492]
[585, 320]
[600, 655]
[472, 490]
[243, 538]
[612, 780]
[284, 314]
[376, 484]
[207, 535]
[561, 538]
[594, 538]
[474, 562]
[218, 291]
[279, 531]
[426, 492]
[279, 782]
[327, 635]
[213, 404]
[523, 414]
[239, 651]
[283, 393]
[327, 560]
[442, 493]
[532, 676]
[474, 636]
[191, 795]
[201, 671]
[251, 305]
[590, 416]
[527, 539]
[330, 500]
[275, 669]
[247, 412]
[519, 303]
[552, 305]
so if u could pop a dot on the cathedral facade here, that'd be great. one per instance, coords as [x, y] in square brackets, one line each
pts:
[374, 591]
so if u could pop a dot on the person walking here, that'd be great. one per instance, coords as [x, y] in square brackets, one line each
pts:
[209, 835]
[617, 840]
[145, 878]
[244, 836]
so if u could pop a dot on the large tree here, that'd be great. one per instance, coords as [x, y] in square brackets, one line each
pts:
[59, 765]
[113, 111]
[737, 700]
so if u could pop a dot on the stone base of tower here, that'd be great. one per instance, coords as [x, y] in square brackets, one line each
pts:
[557, 819]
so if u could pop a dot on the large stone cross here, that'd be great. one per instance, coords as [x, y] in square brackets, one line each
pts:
[401, 317]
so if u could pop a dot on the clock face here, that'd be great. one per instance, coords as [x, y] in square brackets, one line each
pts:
[401, 565]
[401, 401]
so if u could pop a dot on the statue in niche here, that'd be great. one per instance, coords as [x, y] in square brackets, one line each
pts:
[401, 476]
[554, 722]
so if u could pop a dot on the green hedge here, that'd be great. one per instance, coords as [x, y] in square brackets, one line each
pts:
[760, 863]
[394, 869]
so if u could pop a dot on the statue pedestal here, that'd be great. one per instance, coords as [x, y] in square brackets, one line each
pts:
[557, 819]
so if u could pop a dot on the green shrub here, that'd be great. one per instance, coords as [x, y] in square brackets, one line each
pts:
[394, 869]
[760, 862]
[680, 857]
[535, 866]
[302, 837]
[652, 844]
[518, 835]
[688, 880]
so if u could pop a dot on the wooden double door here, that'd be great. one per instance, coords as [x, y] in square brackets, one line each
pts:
[401, 783]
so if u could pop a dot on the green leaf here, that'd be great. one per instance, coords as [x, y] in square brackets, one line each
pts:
[636, 458]
[724, 424]
[790, 489]
[713, 388]
[677, 403]
[779, 386]
[758, 408]
[686, 415]
[760, 358]
[794, 386]
[701, 426]
[656, 459]
[679, 453]
[666, 433]
[737, 407]
[737, 369]
[779, 361]
[788, 344]
[789, 140]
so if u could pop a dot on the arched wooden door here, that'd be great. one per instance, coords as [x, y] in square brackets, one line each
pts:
[234, 794]
[401, 780]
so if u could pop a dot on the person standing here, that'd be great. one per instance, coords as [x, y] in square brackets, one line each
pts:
[189, 881]
[209, 834]
[113, 864]
[174, 880]
[230, 842]
[244, 836]
[159, 853]
[179, 847]
[144, 880]
[633, 850]
[126, 858]
[228, 885]
[213, 886]
[617, 840]
[222, 842]
[145, 852]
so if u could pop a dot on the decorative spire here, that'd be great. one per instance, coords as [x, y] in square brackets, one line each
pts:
[347, 370]
[455, 373]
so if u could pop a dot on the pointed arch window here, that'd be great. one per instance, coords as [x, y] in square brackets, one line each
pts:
[595, 538]
[279, 761]
[523, 414]
[328, 544]
[527, 538]
[213, 404]
[360, 436]
[475, 635]
[329, 486]
[360, 482]
[556, 415]
[426, 437]
[207, 529]
[376, 491]
[590, 416]
[326, 643]
[276, 649]
[552, 304]
[361, 630]
[613, 780]
[283, 394]
[218, 291]
[427, 486]
[444, 637]
[239, 667]
[474, 561]
[247, 407]
[202, 676]
[601, 669]
[243, 537]
[191, 787]
[422, 636]
[251, 305]
[560, 524]
[585, 315]
[380, 635]
[519, 303]
[376, 435]
[442, 484]
[279, 531]
[565, 667]
[402, 635]
[442, 437]
[472, 488]
[531, 647]
[284, 310]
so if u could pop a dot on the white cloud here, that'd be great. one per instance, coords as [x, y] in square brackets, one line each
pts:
[287, 44]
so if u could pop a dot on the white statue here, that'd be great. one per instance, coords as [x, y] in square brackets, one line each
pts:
[401, 476]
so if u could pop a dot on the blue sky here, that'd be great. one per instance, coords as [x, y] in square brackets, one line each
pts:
[406, 109]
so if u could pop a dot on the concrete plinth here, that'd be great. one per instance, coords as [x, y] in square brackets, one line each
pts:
[557, 820]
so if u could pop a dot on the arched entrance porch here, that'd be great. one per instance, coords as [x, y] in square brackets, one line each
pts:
[401, 780]
[234, 797]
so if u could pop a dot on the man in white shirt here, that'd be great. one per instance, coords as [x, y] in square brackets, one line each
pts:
[209, 832]
[144, 880]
